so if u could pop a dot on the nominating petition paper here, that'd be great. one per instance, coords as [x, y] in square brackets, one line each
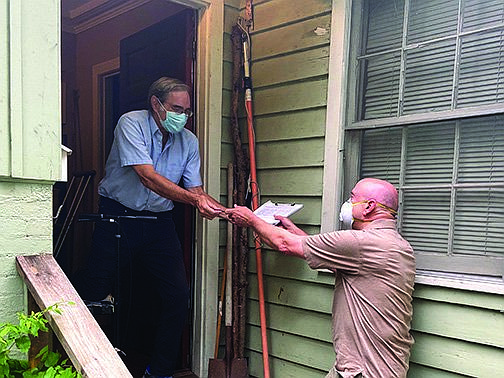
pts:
[268, 210]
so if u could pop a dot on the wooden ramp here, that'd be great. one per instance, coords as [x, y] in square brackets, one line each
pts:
[86, 344]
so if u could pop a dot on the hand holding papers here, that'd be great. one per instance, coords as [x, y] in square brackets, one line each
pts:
[268, 210]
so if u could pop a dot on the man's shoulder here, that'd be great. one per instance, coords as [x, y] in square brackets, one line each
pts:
[135, 115]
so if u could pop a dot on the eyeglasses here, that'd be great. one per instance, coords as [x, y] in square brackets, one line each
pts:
[178, 109]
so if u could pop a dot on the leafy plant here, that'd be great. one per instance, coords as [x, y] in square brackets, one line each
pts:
[17, 337]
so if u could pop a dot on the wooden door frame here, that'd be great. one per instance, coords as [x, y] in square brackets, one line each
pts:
[208, 109]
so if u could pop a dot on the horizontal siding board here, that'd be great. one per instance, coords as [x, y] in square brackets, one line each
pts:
[293, 348]
[301, 124]
[302, 95]
[298, 66]
[278, 265]
[459, 322]
[291, 153]
[309, 324]
[236, 4]
[290, 181]
[462, 297]
[227, 72]
[294, 293]
[227, 156]
[274, 13]
[227, 50]
[279, 367]
[294, 37]
[457, 356]
[420, 371]
[231, 15]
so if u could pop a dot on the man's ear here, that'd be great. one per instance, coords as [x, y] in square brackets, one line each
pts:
[153, 101]
[370, 206]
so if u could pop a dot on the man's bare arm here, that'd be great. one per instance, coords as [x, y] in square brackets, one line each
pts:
[275, 237]
[206, 205]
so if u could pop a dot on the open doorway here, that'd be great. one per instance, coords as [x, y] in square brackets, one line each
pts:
[111, 52]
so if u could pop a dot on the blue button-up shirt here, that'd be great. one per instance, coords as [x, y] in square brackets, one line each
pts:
[138, 140]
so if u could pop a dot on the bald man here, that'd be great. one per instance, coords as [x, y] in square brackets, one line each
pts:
[375, 272]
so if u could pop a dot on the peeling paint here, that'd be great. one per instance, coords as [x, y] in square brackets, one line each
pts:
[320, 31]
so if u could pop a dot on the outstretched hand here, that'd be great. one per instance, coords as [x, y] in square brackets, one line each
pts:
[240, 215]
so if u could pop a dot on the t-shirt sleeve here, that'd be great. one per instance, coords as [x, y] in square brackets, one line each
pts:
[131, 142]
[337, 250]
[191, 176]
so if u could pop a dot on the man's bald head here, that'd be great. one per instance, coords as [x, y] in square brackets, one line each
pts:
[380, 190]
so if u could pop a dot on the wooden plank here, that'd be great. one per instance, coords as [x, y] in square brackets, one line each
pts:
[290, 153]
[457, 356]
[5, 151]
[290, 268]
[292, 125]
[462, 297]
[82, 338]
[299, 66]
[293, 293]
[291, 97]
[280, 367]
[285, 40]
[310, 324]
[300, 350]
[274, 13]
[290, 181]
[459, 322]
[420, 371]
[230, 17]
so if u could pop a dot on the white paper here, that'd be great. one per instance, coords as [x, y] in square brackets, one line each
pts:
[268, 210]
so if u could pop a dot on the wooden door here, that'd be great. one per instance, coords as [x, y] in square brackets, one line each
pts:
[163, 49]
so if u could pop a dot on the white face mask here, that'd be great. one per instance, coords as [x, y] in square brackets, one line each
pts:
[345, 215]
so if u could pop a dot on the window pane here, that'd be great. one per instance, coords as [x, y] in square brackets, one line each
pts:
[481, 156]
[385, 25]
[381, 98]
[431, 19]
[479, 222]
[481, 77]
[381, 154]
[426, 219]
[430, 154]
[429, 78]
[479, 14]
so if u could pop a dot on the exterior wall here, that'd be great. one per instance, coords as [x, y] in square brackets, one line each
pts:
[30, 155]
[26, 221]
[458, 333]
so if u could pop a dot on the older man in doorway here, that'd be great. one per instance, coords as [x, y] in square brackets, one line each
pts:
[151, 153]
[375, 272]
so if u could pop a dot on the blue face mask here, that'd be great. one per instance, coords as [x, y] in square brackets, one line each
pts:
[174, 122]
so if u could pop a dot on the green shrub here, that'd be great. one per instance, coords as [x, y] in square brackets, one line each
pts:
[17, 337]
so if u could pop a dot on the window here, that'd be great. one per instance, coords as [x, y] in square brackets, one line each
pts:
[429, 108]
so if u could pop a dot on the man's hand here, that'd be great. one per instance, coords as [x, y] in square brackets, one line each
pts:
[289, 225]
[240, 215]
[207, 208]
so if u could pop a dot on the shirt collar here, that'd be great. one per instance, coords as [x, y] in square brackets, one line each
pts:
[383, 223]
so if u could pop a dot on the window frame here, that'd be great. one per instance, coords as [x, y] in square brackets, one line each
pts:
[352, 130]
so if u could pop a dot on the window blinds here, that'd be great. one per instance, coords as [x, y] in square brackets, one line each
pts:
[451, 181]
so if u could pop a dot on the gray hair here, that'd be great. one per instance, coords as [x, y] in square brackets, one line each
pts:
[163, 86]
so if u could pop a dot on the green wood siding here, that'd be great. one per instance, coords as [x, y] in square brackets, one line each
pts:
[30, 127]
[458, 333]
[29, 137]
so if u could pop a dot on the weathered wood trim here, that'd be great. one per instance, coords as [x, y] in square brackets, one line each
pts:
[208, 90]
[80, 335]
[335, 118]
